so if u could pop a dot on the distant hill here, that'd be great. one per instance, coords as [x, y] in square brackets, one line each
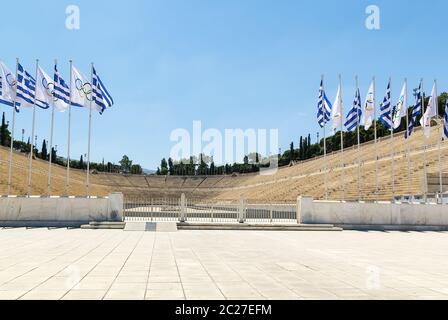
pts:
[149, 171]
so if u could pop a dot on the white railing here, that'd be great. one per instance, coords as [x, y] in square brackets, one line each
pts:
[141, 208]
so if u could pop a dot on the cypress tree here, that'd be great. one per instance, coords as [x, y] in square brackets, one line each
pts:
[44, 152]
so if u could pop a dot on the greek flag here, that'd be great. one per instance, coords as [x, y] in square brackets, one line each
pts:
[101, 96]
[385, 110]
[445, 121]
[26, 89]
[323, 106]
[7, 86]
[416, 111]
[61, 91]
[355, 113]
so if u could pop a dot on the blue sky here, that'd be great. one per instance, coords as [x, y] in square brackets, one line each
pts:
[230, 64]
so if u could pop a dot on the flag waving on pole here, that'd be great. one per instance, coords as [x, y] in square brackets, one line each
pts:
[336, 111]
[81, 90]
[385, 109]
[431, 112]
[44, 87]
[355, 113]
[26, 90]
[416, 111]
[369, 108]
[7, 86]
[61, 91]
[101, 96]
[401, 108]
[323, 107]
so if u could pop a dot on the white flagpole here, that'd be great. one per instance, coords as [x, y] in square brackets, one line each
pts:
[439, 145]
[342, 140]
[392, 142]
[30, 169]
[90, 131]
[408, 151]
[50, 159]
[325, 142]
[375, 135]
[12, 131]
[359, 150]
[67, 179]
[425, 177]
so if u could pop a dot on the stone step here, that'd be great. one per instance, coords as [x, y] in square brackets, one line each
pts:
[151, 226]
[261, 227]
[95, 225]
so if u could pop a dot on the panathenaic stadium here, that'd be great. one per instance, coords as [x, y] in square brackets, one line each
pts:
[300, 179]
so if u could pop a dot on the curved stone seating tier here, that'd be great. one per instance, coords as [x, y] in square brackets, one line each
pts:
[302, 178]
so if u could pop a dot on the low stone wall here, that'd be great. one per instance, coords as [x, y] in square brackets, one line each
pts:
[59, 211]
[381, 215]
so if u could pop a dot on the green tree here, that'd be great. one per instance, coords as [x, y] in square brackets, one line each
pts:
[125, 164]
[5, 135]
[54, 155]
[212, 168]
[163, 167]
[170, 166]
[291, 152]
[136, 169]
[81, 163]
[44, 152]
[202, 170]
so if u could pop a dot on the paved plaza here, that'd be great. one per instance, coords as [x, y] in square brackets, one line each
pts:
[113, 264]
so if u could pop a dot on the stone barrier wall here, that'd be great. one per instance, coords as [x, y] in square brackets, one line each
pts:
[59, 211]
[385, 214]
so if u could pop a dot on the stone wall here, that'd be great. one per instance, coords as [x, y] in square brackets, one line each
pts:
[381, 215]
[59, 211]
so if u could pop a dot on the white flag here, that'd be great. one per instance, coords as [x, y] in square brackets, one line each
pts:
[7, 85]
[44, 87]
[81, 89]
[369, 108]
[336, 111]
[401, 108]
[431, 111]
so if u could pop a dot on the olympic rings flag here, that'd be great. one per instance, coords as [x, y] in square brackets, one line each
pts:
[44, 87]
[7, 86]
[81, 89]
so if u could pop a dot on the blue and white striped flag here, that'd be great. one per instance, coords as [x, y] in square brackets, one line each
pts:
[61, 91]
[416, 111]
[323, 107]
[445, 121]
[386, 110]
[7, 86]
[101, 96]
[354, 115]
[26, 89]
